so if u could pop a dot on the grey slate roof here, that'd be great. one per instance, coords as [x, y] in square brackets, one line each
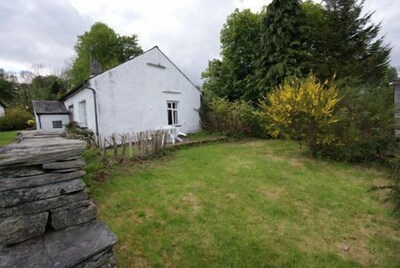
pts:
[49, 107]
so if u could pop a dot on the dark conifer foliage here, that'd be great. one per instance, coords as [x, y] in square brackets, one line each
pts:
[348, 46]
[282, 44]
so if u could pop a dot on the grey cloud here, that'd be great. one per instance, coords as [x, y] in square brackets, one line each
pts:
[191, 47]
[387, 13]
[39, 32]
[45, 31]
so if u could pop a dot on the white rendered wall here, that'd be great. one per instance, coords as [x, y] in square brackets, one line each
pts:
[46, 121]
[83, 95]
[37, 122]
[1, 111]
[133, 97]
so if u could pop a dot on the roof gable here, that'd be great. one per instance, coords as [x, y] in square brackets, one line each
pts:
[49, 107]
[84, 83]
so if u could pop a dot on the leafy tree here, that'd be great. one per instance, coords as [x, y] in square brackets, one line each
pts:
[7, 90]
[314, 17]
[282, 44]
[216, 77]
[346, 44]
[104, 45]
[240, 38]
[48, 87]
[230, 76]
[128, 47]
[7, 87]
[23, 96]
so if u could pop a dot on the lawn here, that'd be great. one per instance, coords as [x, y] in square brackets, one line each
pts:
[6, 137]
[248, 204]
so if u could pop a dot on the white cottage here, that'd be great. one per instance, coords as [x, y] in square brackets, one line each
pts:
[146, 92]
[50, 115]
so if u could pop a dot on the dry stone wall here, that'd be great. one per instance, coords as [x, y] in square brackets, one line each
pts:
[46, 217]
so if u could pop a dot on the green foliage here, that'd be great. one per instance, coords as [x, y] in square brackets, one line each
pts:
[235, 118]
[128, 46]
[351, 124]
[74, 131]
[216, 77]
[345, 43]
[7, 88]
[100, 43]
[365, 126]
[15, 119]
[48, 87]
[302, 110]
[293, 38]
[104, 45]
[282, 44]
[230, 77]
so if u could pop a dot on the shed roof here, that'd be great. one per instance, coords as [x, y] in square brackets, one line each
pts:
[49, 107]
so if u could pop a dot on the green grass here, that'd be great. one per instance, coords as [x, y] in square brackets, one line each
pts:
[250, 204]
[7, 136]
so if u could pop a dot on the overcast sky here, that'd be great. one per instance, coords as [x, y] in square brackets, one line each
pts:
[44, 32]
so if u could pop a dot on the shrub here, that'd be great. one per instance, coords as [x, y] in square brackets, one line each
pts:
[365, 126]
[74, 131]
[302, 110]
[352, 124]
[16, 118]
[235, 118]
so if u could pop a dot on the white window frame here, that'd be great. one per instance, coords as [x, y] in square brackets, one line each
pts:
[173, 108]
[82, 113]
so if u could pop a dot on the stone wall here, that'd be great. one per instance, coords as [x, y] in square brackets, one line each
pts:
[46, 217]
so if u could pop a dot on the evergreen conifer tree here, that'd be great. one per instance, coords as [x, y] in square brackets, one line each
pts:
[347, 44]
[282, 44]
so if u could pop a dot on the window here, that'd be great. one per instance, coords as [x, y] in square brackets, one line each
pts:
[71, 112]
[57, 124]
[82, 113]
[172, 109]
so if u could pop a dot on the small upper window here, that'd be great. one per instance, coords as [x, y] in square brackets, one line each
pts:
[57, 124]
[172, 110]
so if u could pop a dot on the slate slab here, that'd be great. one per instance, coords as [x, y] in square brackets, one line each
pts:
[39, 151]
[73, 214]
[30, 208]
[103, 259]
[65, 248]
[17, 196]
[20, 228]
[21, 172]
[71, 246]
[29, 254]
[64, 170]
[78, 163]
[10, 183]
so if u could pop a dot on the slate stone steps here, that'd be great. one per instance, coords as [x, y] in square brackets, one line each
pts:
[85, 245]
[46, 217]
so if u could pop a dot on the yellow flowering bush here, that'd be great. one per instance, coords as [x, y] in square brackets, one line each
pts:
[302, 110]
